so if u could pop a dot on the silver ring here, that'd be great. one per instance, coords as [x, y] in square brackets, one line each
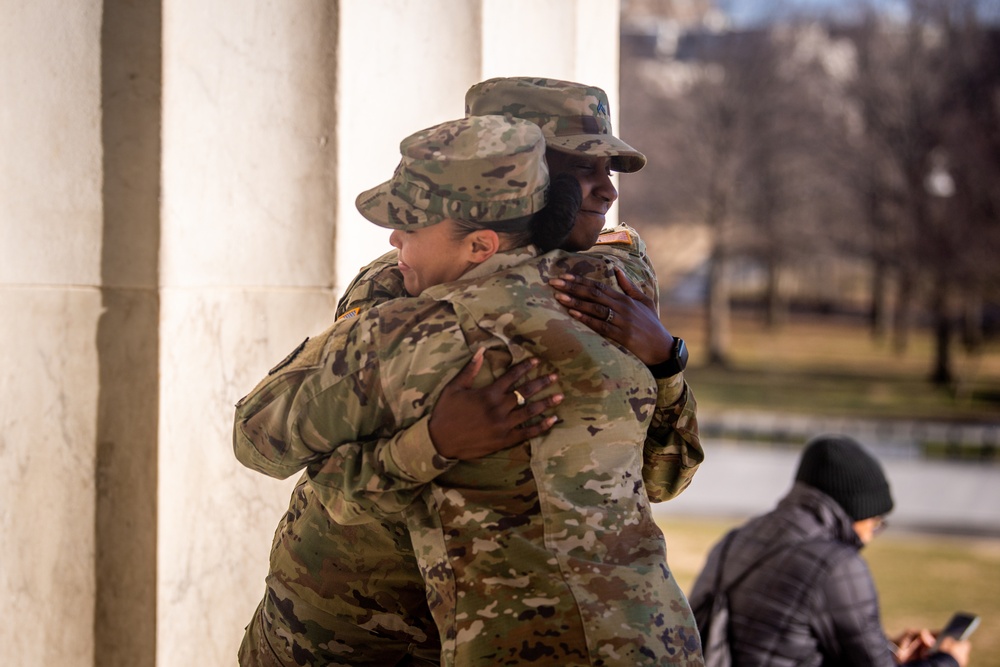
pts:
[611, 315]
[521, 400]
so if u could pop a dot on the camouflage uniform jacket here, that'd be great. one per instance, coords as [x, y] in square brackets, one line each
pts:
[545, 553]
[672, 450]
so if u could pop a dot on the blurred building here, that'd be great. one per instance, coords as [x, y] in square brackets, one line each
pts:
[666, 54]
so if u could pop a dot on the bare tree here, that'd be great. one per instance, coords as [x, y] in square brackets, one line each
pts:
[925, 88]
[691, 141]
[704, 166]
[892, 160]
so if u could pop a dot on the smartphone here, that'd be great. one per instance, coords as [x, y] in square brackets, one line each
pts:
[960, 627]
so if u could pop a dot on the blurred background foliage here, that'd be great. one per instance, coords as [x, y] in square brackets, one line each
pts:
[840, 161]
[822, 205]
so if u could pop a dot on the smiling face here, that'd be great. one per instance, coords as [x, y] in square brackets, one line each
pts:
[599, 193]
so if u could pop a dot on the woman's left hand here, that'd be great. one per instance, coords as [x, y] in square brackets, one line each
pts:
[629, 319]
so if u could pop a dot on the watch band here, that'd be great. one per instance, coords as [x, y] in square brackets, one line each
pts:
[673, 365]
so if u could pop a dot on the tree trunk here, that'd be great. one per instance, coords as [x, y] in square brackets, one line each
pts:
[972, 322]
[774, 314]
[942, 374]
[903, 314]
[879, 319]
[717, 309]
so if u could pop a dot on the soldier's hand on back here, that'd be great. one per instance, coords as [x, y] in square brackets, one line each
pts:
[468, 423]
[629, 319]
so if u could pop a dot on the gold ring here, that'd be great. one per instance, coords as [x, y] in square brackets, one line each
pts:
[521, 400]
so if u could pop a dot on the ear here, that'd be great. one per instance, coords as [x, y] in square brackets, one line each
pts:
[481, 245]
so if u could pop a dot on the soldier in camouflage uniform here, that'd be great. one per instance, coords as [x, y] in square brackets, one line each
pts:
[575, 119]
[387, 615]
[544, 553]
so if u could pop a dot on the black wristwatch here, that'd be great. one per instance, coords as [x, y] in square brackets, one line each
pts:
[674, 364]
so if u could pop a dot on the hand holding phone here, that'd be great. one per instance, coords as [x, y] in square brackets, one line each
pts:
[959, 628]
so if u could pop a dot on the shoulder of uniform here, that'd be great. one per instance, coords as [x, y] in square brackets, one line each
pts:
[349, 315]
[412, 309]
[621, 239]
[375, 283]
[620, 235]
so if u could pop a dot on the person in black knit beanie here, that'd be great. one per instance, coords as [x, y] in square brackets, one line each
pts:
[798, 591]
[843, 470]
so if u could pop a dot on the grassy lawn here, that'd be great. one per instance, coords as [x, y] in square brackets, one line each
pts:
[921, 579]
[835, 367]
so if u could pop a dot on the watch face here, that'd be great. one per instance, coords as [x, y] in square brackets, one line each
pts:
[681, 352]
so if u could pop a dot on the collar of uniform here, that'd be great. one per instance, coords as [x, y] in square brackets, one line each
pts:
[498, 262]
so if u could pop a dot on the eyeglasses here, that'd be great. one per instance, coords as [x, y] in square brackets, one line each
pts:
[880, 525]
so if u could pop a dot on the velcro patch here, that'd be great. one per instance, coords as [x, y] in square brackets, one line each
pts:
[618, 236]
[291, 356]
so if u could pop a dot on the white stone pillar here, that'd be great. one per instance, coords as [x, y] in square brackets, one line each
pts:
[274, 120]
[403, 66]
[248, 207]
[176, 213]
[50, 269]
[575, 40]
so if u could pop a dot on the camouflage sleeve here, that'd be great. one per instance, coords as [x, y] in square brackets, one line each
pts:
[360, 482]
[420, 348]
[373, 465]
[325, 408]
[282, 425]
[624, 246]
[672, 451]
[376, 283]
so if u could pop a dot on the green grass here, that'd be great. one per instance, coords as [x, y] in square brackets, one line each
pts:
[835, 367]
[922, 579]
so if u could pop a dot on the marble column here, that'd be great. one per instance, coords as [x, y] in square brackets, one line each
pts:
[247, 259]
[176, 213]
[50, 274]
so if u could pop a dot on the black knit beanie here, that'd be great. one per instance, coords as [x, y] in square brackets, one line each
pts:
[841, 468]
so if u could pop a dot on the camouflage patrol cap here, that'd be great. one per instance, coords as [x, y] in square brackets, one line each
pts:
[484, 169]
[574, 117]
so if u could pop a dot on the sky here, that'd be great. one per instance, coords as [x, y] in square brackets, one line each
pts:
[748, 12]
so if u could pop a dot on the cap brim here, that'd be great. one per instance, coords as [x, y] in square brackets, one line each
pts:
[380, 206]
[624, 158]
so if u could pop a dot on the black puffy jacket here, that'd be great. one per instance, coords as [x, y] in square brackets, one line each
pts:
[811, 601]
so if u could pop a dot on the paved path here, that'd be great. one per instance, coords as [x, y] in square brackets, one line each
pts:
[741, 479]
[885, 433]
